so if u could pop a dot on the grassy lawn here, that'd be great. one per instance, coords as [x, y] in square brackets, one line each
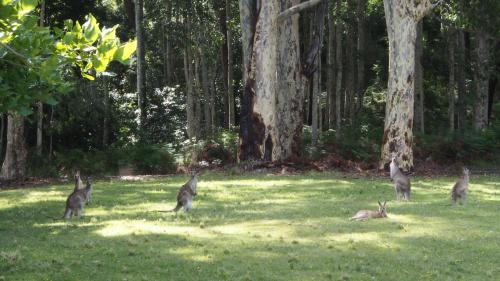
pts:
[253, 227]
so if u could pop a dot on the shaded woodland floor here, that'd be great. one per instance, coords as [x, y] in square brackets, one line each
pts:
[253, 227]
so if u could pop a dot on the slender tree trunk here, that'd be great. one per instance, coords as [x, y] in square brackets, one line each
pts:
[206, 94]
[224, 62]
[331, 72]
[339, 65]
[167, 64]
[190, 100]
[351, 60]
[2, 128]
[230, 88]
[419, 87]
[39, 125]
[401, 19]
[197, 89]
[361, 84]
[461, 87]
[51, 137]
[141, 87]
[14, 164]
[451, 79]
[105, 123]
[315, 105]
[481, 78]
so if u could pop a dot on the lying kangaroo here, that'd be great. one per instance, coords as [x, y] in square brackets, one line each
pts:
[401, 181]
[367, 214]
[77, 199]
[186, 194]
[461, 188]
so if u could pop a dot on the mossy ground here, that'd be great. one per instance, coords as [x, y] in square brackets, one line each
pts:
[253, 227]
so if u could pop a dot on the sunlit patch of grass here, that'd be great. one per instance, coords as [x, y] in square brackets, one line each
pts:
[253, 227]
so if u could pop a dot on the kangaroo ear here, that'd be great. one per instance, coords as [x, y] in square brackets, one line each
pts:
[379, 203]
[385, 203]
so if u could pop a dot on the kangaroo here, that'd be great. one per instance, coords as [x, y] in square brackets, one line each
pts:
[401, 182]
[186, 194]
[461, 188]
[76, 200]
[367, 214]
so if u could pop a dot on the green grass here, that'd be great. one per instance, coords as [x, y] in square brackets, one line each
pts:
[253, 228]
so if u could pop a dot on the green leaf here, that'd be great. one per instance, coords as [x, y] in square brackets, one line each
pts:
[108, 33]
[51, 101]
[25, 111]
[125, 51]
[89, 77]
[26, 6]
[91, 29]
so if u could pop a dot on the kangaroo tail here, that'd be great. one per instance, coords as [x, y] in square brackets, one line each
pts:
[179, 205]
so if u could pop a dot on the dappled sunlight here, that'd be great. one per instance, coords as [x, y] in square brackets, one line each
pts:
[143, 227]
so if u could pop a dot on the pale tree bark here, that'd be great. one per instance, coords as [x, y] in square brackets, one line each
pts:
[190, 99]
[481, 77]
[361, 83]
[167, 45]
[197, 96]
[451, 78]
[230, 87]
[331, 73]
[339, 66]
[419, 83]
[402, 17]
[14, 164]
[271, 117]
[141, 87]
[461, 87]
[39, 124]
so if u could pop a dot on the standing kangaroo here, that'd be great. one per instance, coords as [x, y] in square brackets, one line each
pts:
[186, 194]
[461, 188]
[77, 199]
[401, 182]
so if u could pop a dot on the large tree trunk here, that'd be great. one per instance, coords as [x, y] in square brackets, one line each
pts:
[401, 19]
[461, 87]
[481, 78]
[139, 33]
[271, 117]
[339, 65]
[14, 164]
[451, 79]
[331, 73]
[419, 83]
[230, 88]
[361, 84]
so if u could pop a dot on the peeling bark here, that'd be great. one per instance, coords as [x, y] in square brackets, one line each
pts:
[401, 19]
[271, 114]
[14, 164]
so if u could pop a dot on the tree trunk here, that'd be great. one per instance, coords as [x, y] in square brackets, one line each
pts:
[451, 79]
[331, 73]
[230, 88]
[419, 87]
[206, 94]
[401, 19]
[2, 128]
[271, 117]
[39, 124]
[105, 123]
[224, 62]
[361, 84]
[167, 64]
[481, 78]
[141, 91]
[315, 105]
[339, 65]
[461, 87]
[248, 15]
[350, 67]
[14, 164]
[190, 102]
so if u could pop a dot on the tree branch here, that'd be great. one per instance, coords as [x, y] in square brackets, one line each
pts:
[424, 7]
[14, 51]
[297, 9]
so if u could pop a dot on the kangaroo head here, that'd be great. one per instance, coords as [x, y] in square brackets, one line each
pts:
[89, 182]
[381, 209]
